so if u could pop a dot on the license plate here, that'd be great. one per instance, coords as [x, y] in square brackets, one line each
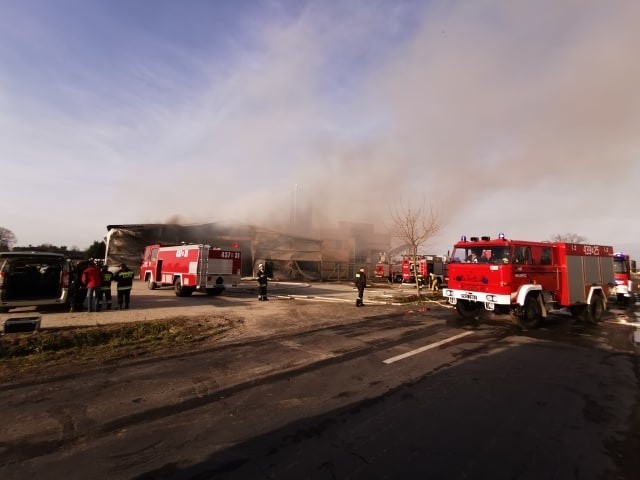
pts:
[469, 296]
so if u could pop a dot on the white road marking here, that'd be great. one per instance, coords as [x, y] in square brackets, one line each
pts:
[426, 347]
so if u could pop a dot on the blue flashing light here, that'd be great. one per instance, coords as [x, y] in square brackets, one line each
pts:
[501, 236]
[463, 238]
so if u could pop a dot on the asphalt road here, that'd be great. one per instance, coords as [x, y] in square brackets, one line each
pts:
[393, 394]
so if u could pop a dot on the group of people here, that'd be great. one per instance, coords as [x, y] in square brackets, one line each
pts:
[91, 283]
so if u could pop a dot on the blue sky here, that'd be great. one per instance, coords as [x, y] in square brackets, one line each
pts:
[519, 117]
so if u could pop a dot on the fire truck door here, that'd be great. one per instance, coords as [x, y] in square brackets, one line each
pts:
[531, 266]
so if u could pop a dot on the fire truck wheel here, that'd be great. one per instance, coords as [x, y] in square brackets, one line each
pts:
[596, 309]
[531, 313]
[182, 291]
[151, 285]
[468, 310]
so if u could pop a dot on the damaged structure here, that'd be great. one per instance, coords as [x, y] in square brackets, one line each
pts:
[325, 255]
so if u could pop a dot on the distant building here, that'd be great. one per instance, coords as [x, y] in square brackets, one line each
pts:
[328, 254]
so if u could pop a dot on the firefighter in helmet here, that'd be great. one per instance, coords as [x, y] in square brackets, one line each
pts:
[105, 288]
[263, 280]
[124, 284]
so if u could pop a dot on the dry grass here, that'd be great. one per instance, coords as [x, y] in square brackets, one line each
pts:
[25, 352]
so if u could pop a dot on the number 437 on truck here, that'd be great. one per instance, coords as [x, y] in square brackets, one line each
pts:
[189, 268]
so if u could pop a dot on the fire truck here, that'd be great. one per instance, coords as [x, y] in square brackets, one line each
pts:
[431, 270]
[529, 280]
[387, 269]
[188, 268]
[623, 289]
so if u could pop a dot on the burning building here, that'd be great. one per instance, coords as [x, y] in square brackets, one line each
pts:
[326, 255]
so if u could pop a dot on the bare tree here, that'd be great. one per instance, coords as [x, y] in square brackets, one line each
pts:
[415, 226]
[568, 237]
[7, 239]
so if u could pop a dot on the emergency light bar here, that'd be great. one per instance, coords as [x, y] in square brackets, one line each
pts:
[484, 238]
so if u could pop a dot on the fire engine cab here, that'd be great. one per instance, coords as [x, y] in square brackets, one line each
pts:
[190, 268]
[528, 280]
[623, 289]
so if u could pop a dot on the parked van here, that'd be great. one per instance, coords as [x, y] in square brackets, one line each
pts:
[29, 279]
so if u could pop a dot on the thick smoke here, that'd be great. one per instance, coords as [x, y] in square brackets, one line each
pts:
[518, 116]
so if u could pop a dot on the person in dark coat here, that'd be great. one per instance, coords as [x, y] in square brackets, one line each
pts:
[77, 291]
[263, 280]
[361, 283]
[105, 288]
[124, 284]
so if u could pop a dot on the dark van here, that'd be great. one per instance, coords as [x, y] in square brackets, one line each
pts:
[29, 279]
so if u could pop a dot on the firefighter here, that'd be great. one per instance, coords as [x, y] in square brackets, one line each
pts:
[92, 279]
[263, 280]
[124, 284]
[361, 283]
[433, 282]
[105, 288]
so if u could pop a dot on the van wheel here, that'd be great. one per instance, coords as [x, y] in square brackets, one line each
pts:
[531, 313]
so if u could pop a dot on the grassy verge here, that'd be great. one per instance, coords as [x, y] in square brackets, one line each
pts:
[23, 352]
[410, 297]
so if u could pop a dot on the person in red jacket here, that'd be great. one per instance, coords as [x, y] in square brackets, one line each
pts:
[92, 280]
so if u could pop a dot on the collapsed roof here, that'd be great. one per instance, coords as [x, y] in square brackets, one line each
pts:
[125, 243]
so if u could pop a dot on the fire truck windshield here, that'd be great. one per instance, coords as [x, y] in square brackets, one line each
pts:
[481, 254]
[620, 266]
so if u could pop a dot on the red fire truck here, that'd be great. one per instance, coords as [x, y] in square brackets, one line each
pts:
[529, 279]
[388, 270]
[431, 270]
[190, 268]
[623, 289]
